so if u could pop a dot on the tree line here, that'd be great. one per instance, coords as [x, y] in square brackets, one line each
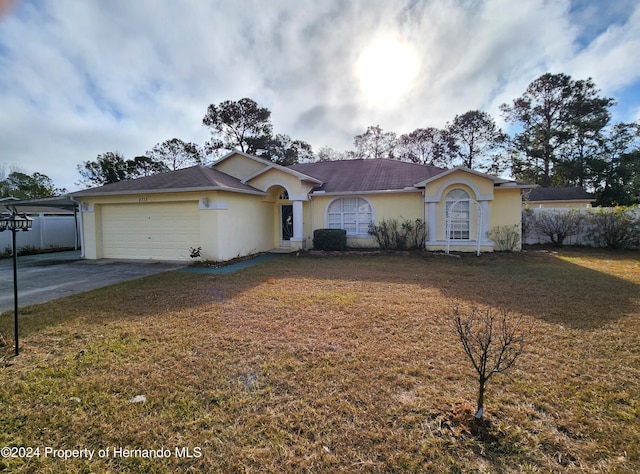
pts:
[564, 137]
[16, 183]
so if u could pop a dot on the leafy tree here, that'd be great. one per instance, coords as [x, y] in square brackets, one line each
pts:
[375, 143]
[176, 154]
[23, 186]
[145, 166]
[111, 167]
[427, 146]
[559, 118]
[616, 178]
[238, 124]
[589, 117]
[284, 151]
[475, 140]
[327, 153]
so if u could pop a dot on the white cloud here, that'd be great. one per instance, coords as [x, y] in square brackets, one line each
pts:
[82, 78]
[610, 58]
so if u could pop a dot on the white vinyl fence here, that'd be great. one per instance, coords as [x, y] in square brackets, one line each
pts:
[48, 232]
[580, 238]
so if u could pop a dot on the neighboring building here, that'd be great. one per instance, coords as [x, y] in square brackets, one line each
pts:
[54, 223]
[574, 197]
[243, 204]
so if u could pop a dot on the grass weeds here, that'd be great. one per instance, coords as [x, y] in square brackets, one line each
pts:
[333, 364]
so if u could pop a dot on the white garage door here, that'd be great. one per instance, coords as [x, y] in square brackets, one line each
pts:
[150, 231]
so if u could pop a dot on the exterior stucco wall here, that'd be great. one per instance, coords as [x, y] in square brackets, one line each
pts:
[90, 231]
[401, 205]
[507, 208]
[479, 189]
[243, 227]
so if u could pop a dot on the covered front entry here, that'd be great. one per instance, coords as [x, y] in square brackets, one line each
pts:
[288, 218]
[286, 225]
[160, 231]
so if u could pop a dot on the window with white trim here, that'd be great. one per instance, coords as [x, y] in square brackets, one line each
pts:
[458, 216]
[350, 214]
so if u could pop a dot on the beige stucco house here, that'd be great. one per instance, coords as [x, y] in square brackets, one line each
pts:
[243, 204]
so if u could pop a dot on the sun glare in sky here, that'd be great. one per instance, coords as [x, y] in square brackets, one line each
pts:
[386, 70]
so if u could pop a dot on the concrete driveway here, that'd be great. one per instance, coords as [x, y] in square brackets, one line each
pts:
[50, 276]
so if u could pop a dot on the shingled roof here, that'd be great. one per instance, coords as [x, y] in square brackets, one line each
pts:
[194, 178]
[366, 175]
[560, 194]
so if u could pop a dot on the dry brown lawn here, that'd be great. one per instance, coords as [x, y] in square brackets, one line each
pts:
[332, 364]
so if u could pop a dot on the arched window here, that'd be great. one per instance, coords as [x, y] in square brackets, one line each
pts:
[350, 214]
[284, 195]
[458, 216]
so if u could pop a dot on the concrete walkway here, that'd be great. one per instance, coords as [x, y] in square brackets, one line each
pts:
[234, 267]
[49, 276]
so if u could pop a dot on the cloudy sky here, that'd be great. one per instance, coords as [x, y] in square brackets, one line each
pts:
[83, 77]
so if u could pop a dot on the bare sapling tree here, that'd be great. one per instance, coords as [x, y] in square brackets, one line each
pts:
[492, 340]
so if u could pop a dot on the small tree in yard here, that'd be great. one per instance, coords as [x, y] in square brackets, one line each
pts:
[491, 340]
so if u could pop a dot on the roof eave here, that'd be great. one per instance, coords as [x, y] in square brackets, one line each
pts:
[370, 191]
[81, 194]
[495, 179]
[509, 185]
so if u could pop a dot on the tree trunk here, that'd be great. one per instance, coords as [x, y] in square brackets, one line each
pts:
[480, 409]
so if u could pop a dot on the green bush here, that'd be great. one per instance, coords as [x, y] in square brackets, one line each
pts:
[330, 239]
[390, 234]
[615, 227]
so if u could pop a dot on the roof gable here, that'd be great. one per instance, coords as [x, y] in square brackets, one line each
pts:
[263, 166]
[445, 173]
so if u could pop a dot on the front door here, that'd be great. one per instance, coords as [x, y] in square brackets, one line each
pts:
[286, 224]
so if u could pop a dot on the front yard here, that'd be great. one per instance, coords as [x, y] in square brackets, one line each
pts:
[330, 364]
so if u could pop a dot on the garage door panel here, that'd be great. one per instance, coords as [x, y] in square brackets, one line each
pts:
[150, 231]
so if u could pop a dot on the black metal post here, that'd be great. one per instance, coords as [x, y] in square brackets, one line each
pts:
[15, 288]
[15, 221]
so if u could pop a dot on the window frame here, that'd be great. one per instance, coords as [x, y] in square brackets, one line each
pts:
[458, 228]
[356, 225]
